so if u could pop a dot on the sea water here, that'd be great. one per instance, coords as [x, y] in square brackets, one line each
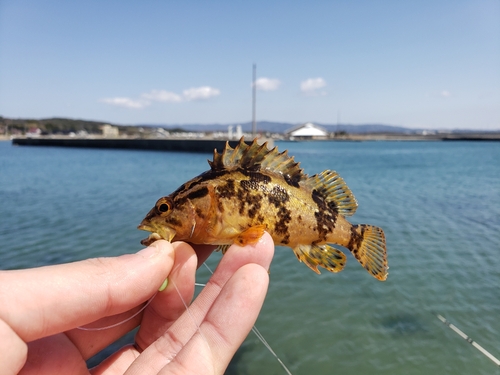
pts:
[438, 202]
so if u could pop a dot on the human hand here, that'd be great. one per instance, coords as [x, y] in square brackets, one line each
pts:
[41, 308]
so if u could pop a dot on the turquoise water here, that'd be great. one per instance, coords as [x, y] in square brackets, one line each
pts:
[438, 202]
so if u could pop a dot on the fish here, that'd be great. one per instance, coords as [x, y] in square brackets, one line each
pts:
[250, 189]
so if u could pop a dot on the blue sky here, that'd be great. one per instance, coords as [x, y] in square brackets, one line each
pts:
[427, 64]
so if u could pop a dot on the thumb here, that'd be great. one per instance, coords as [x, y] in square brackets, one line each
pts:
[43, 301]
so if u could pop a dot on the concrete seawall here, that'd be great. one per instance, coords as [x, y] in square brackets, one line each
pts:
[187, 145]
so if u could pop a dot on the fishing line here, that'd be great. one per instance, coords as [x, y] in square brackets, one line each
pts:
[258, 334]
[119, 323]
[266, 344]
[469, 340]
[198, 328]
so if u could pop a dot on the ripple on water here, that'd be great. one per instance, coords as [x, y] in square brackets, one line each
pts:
[437, 202]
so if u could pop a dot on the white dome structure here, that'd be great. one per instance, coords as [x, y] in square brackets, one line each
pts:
[307, 131]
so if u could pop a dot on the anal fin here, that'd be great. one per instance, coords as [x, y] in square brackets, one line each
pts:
[325, 256]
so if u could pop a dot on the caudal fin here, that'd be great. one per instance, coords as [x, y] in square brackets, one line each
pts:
[368, 246]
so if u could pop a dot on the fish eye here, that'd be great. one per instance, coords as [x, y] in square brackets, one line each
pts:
[162, 206]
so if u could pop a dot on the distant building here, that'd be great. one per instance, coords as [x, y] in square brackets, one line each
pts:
[109, 131]
[33, 133]
[307, 131]
[239, 132]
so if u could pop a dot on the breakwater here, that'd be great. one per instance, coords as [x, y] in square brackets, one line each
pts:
[187, 145]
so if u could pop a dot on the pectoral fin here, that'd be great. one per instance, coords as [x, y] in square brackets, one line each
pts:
[251, 235]
[324, 256]
[248, 236]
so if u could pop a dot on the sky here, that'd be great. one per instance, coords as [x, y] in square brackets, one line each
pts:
[419, 64]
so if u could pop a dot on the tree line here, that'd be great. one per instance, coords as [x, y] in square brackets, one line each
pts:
[57, 126]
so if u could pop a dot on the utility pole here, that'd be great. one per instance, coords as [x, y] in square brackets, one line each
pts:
[254, 99]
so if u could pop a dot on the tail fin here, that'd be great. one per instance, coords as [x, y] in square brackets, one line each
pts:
[368, 246]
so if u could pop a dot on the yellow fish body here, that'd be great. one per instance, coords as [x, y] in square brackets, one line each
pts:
[249, 190]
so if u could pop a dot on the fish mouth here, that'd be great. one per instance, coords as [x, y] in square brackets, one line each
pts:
[151, 238]
[166, 234]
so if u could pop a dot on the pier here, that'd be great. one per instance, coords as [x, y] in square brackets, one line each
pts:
[186, 145]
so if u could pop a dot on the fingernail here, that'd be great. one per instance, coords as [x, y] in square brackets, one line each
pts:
[163, 286]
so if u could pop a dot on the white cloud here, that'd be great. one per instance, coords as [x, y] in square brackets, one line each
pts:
[195, 93]
[445, 93]
[267, 84]
[162, 96]
[200, 93]
[126, 102]
[312, 86]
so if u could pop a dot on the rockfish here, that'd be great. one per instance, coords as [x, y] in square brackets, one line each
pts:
[251, 189]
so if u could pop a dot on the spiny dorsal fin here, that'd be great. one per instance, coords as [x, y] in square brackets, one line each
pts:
[335, 192]
[257, 157]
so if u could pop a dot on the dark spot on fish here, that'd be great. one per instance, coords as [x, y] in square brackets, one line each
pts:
[200, 213]
[205, 176]
[320, 193]
[325, 216]
[254, 208]
[220, 206]
[253, 199]
[242, 206]
[356, 239]
[250, 185]
[227, 190]
[325, 224]
[278, 196]
[241, 195]
[337, 256]
[332, 205]
[284, 218]
[255, 175]
[293, 180]
[200, 193]
[173, 221]
[180, 189]
[249, 198]
[318, 199]
[187, 185]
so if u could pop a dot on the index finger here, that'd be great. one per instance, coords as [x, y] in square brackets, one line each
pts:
[43, 301]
